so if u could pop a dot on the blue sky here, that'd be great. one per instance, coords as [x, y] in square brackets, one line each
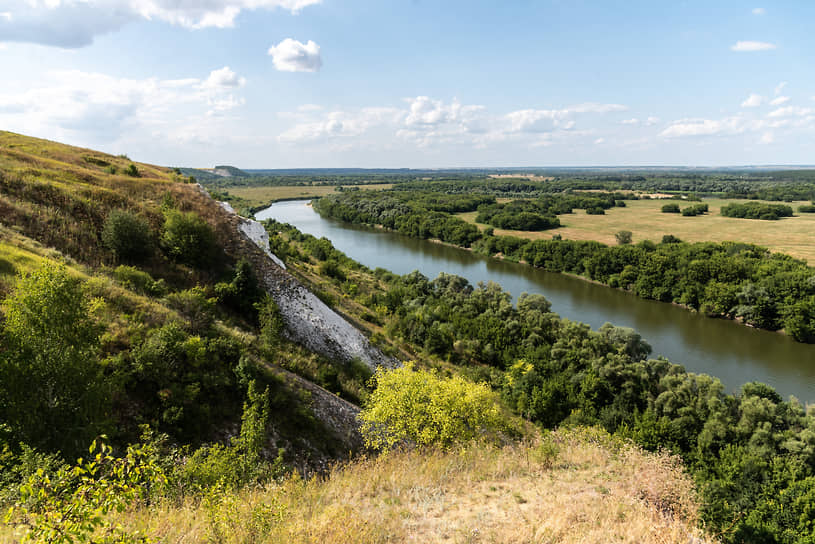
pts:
[414, 83]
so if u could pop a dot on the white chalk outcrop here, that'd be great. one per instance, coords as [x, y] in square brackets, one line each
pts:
[309, 321]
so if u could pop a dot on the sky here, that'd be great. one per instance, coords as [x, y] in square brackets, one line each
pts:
[414, 83]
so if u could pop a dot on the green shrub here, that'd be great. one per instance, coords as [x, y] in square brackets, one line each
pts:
[132, 171]
[137, 280]
[127, 235]
[422, 408]
[196, 307]
[670, 208]
[188, 239]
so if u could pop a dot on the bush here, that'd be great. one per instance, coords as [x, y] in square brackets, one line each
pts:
[127, 235]
[188, 239]
[137, 280]
[670, 208]
[623, 237]
[807, 208]
[422, 408]
[132, 171]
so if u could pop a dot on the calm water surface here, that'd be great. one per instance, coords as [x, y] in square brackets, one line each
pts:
[734, 353]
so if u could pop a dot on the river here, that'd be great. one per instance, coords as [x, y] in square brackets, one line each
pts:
[732, 352]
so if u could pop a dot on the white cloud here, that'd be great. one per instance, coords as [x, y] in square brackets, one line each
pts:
[767, 138]
[595, 107]
[791, 111]
[703, 127]
[97, 108]
[777, 101]
[428, 123]
[651, 121]
[780, 87]
[75, 23]
[759, 11]
[752, 101]
[224, 77]
[293, 56]
[599, 141]
[747, 46]
[305, 108]
[632, 121]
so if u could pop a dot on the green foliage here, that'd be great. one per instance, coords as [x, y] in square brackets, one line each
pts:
[127, 235]
[623, 237]
[188, 239]
[241, 462]
[196, 307]
[73, 504]
[242, 293]
[132, 171]
[52, 392]
[807, 208]
[756, 210]
[139, 281]
[422, 408]
[693, 211]
[271, 322]
[671, 207]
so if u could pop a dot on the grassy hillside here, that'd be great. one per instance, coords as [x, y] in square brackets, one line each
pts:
[572, 486]
[55, 201]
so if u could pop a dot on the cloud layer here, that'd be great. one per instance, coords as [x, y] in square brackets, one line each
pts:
[75, 23]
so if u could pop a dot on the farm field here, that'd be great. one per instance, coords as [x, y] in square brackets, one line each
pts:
[794, 235]
[266, 195]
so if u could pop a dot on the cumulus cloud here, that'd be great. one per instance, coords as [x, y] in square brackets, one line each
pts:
[294, 56]
[777, 101]
[92, 107]
[632, 121]
[759, 11]
[767, 138]
[75, 23]
[749, 46]
[424, 121]
[752, 101]
[703, 127]
[224, 77]
[651, 121]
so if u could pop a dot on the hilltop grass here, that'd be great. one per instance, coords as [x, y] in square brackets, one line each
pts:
[644, 219]
[570, 486]
[259, 196]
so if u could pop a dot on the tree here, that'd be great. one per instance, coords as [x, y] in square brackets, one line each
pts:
[623, 237]
[127, 235]
[51, 388]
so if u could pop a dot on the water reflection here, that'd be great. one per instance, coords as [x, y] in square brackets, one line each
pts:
[734, 353]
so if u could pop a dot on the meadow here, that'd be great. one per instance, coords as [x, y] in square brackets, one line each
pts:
[645, 220]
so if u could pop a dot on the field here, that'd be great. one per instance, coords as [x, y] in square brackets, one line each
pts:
[258, 196]
[793, 236]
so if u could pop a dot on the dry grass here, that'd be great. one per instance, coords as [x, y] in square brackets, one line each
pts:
[593, 490]
[266, 195]
[644, 219]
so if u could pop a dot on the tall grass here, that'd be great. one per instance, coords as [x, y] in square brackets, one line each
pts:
[571, 486]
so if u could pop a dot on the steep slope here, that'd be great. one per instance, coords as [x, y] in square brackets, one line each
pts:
[55, 201]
